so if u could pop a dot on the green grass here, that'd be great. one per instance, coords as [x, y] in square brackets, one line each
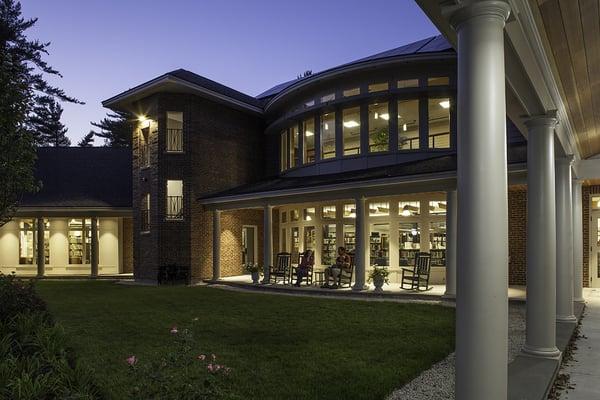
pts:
[279, 347]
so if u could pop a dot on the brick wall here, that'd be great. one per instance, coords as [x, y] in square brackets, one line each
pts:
[127, 245]
[517, 232]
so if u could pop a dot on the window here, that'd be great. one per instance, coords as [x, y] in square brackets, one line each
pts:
[328, 136]
[596, 202]
[379, 244]
[351, 92]
[144, 146]
[328, 97]
[329, 248]
[80, 241]
[351, 130]
[438, 81]
[174, 132]
[294, 215]
[284, 150]
[26, 241]
[437, 207]
[308, 132]
[294, 149]
[295, 240]
[379, 209]
[408, 124]
[408, 83]
[349, 210]
[283, 217]
[328, 212]
[309, 214]
[145, 213]
[409, 242]
[310, 238]
[379, 127]
[409, 208]
[378, 87]
[439, 123]
[174, 200]
[349, 238]
[437, 243]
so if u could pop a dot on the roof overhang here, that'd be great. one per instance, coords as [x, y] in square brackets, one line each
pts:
[171, 84]
[49, 212]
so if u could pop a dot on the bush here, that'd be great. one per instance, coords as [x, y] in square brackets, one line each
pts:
[34, 360]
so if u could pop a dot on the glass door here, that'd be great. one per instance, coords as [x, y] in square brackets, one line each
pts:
[249, 243]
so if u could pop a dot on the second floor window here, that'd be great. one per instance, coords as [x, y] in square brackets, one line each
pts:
[174, 132]
[328, 135]
[144, 146]
[294, 146]
[174, 200]
[379, 127]
[308, 132]
[439, 123]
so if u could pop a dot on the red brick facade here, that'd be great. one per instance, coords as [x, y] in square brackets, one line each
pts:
[517, 235]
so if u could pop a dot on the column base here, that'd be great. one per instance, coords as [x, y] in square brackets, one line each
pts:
[358, 288]
[566, 318]
[449, 296]
[579, 300]
[541, 352]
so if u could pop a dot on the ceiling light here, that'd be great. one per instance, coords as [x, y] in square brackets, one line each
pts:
[413, 232]
[326, 126]
[308, 133]
[445, 104]
[376, 115]
[385, 116]
[406, 213]
[351, 124]
[404, 127]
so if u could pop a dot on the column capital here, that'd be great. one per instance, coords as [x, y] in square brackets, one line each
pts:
[543, 120]
[458, 12]
[565, 160]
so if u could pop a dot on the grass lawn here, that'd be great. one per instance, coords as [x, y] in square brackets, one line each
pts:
[279, 347]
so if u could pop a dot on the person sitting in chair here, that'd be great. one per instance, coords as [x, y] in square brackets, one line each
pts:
[306, 265]
[341, 262]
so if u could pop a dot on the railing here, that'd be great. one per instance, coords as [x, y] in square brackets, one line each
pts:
[409, 143]
[443, 141]
[144, 220]
[174, 207]
[175, 140]
[144, 150]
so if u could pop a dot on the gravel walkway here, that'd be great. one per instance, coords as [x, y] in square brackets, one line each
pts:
[437, 383]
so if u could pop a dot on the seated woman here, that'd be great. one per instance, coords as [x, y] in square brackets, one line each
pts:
[306, 265]
[333, 272]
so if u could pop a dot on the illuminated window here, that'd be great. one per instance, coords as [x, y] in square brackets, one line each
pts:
[310, 238]
[408, 124]
[294, 146]
[351, 92]
[438, 81]
[409, 208]
[409, 242]
[439, 123]
[378, 87]
[309, 214]
[351, 130]
[329, 248]
[349, 210]
[408, 83]
[294, 215]
[379, 127]
[329, 212]
[328, 136]
[80, 241]
[308, 133]
[174, 132]
[349, 238]
[283, 217]
[437, 207]
[596, 202]
[437, 243]
[379, 244]
[284, 150]
[295, 240]
[26, 241]
[174, 200]
[328, 97]
[379, 209]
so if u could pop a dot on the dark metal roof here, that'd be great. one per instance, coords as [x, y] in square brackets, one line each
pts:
[82, 177]
[431, 44]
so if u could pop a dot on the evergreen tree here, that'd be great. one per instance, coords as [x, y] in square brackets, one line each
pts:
[22, 79]
[87, 141]
[116, 129]
[44, 123]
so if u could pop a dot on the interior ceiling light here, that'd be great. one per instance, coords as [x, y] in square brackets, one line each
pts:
[445, 104]
[309, 133]
[351, 124]
[385, 116]
[404, 128]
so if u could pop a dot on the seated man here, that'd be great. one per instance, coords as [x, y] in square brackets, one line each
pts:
[306, 265]
[333, 272]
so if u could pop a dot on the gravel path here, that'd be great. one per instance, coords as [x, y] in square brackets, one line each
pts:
[437, 383]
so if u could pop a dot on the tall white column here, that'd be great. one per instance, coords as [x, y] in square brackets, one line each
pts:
[541, 239]
[482, 259]
[361, 253]
[40, 256]
[451, 241]
[216, 238]
[94, 248]
[577, 242]
[564, 241]
[267, 241]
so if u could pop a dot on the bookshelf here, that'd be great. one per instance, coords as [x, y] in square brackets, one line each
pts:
[328, 249]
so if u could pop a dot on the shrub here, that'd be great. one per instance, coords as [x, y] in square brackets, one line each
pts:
[34, 360]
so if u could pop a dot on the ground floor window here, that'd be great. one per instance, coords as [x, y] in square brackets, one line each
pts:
[80, 241]
[26, 241]
[349, 238]
[409, 242]
[437, 243]
[174, 200]
[329, 248]
[379, 244]
[310, 238]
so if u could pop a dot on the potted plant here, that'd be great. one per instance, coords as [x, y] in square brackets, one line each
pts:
[379, 276]
[254, 270]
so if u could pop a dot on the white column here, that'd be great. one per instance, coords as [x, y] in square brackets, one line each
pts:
[267, 241]
[482, 259]
[361, 252]
[577, 242]
[541, 239]
[564, 241]
[94, 248]
[451, 241]
[216, 238]
[40, 256]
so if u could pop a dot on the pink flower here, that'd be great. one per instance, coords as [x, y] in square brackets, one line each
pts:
[210, 368]
[202, 357]
[213, 357]
[131, 360]
[174, 330]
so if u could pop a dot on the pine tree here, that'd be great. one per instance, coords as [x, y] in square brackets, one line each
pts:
[45, 125]
[22, 79]
[87, 141]
[116, 129]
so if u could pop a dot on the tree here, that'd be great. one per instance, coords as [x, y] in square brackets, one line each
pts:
[22, 80]
[87, 141]
[44, 123]
[116, 129]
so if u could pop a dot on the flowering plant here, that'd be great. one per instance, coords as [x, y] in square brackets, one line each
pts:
[379, 272]
[252, 267]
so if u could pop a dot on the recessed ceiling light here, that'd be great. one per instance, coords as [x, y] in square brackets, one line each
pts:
[445, 104]
[351, 124]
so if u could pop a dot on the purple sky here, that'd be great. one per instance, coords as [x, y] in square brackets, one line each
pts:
[105, 47]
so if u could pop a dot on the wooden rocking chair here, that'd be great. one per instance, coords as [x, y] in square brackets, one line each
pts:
[281, 270]
[417, 278]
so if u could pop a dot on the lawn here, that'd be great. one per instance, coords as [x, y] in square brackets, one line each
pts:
[279, 347]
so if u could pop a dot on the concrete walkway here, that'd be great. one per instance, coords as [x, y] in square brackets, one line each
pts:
[584, 370]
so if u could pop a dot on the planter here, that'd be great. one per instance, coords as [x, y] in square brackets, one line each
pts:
[255, 277]
[378, 281]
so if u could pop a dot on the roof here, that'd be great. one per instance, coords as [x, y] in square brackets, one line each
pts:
[517, 153]
[90, 177]
[433, 44]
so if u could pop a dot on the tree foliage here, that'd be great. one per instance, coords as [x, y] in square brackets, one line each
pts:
[22, 81]
[116, 129]
[87, 140]
[45, 125]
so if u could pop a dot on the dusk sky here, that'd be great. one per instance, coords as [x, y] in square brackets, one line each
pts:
[105, 47]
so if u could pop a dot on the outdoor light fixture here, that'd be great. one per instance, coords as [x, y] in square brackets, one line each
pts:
[351, 124]
[445, 104]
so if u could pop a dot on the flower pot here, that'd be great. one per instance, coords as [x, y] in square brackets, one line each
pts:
[255, 277]
[378, 282]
